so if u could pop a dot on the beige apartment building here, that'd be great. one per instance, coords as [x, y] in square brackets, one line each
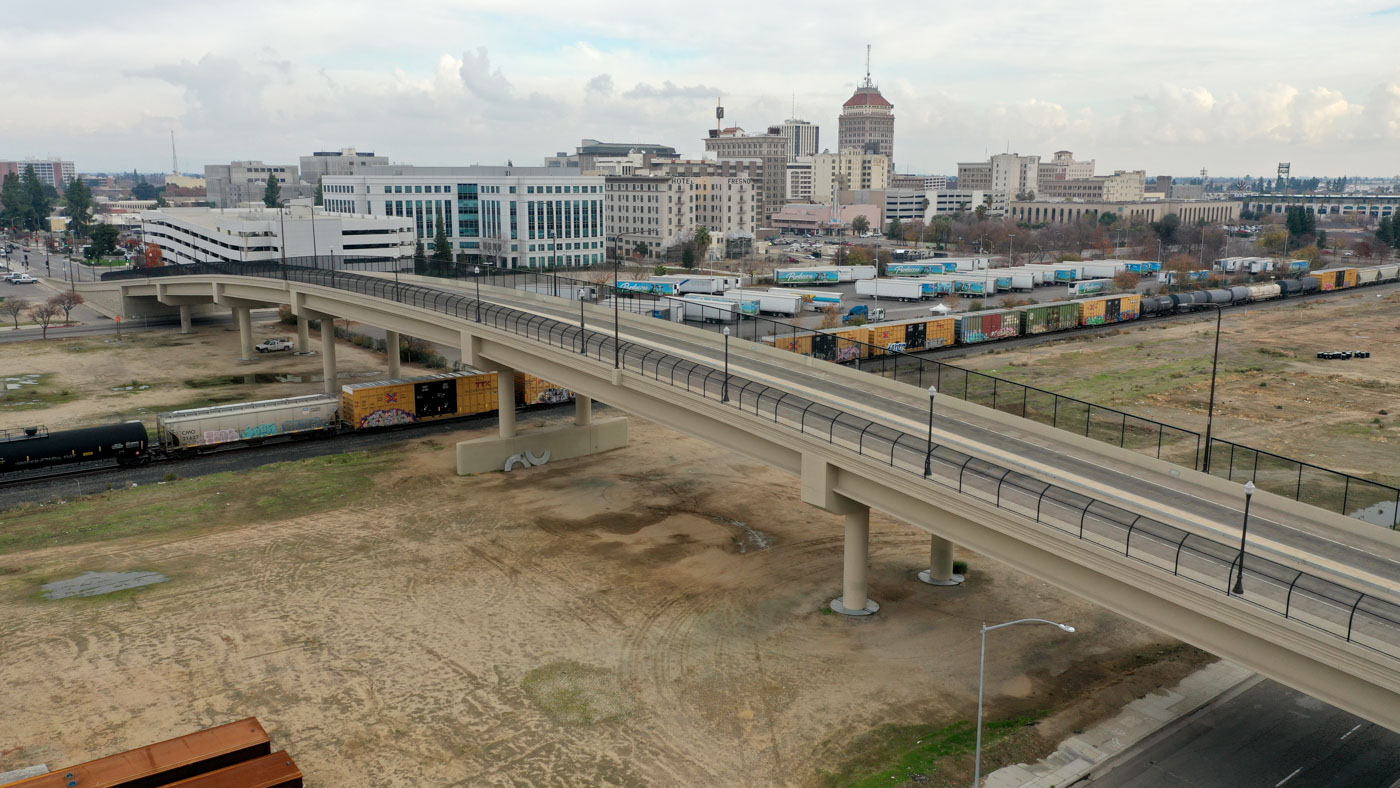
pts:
[770, 149]
[1063, 167]
[851, 169]
[663, 212]
[1008, 173]
[1121, 186]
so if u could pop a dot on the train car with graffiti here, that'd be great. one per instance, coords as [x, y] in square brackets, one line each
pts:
[201, 429]
[385, 403]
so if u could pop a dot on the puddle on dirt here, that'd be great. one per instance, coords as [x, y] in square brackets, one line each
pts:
[749, 539]
[99, 583]
[134, 387]
[16, 382]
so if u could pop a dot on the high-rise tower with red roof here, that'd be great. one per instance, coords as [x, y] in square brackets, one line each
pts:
[867, 119]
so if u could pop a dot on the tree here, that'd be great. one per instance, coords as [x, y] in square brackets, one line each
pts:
[78, 199]
[272, 193]
[67, 300]
[160, 200]
[442, 251]
[1385, 232]
[860, 224]
[40, 203]
[896, 230]
[1070, 257]
[44, 314]
[144, 190]
[702, 241]
[1127, 281]
[659, 270]
[103, 241]
[858, 255]
[153, 256]
[1181, 264]
[1310, 253]
[1108, 219]
[688, 256]
[831, 317]
[15, 213]
[1166, 228]
[16, 307]
[1272, 240]
[319, 192]
[640, 250]
[420, 259]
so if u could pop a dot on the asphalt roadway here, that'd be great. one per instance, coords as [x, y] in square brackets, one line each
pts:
[1267, 735]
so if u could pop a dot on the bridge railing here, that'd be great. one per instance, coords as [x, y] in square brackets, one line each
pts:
[1324, 605]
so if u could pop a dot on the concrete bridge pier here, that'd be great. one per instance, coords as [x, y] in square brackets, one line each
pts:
[185, 319]
[391, 349]
[505, 401]
[583, 410]
[853, 600]
[303, 335]
[328, 368]
[940, 564]
[243, 316]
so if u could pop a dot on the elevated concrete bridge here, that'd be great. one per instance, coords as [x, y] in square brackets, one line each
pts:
[1149, 540]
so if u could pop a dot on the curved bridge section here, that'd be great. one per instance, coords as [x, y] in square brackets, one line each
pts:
[1320, 609]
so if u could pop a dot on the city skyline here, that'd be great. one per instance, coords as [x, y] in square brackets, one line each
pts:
[464, 83]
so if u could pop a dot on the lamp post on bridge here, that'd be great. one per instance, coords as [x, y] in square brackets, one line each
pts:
[928, 455]
[1244, 530]
[724, 391]
[982, 677]
[476, 277]
[617, 314]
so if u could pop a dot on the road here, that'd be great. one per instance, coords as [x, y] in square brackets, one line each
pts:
[1268, 735]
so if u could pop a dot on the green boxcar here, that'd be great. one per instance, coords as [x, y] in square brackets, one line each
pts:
[1044, 318]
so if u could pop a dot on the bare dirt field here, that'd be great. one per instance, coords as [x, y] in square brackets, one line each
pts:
[1272, 391]
[650, 616]
[65, 383]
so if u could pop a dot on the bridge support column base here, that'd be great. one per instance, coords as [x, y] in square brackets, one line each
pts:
[556, 443]
[871, 607]
[940, 564]
[185, 319]
[853, 600]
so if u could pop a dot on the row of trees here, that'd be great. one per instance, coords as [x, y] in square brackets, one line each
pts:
[43, 313]
[26, 202]
[1388, 233]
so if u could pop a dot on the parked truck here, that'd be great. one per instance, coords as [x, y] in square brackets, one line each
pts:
[815, 300]
[770, 302]
[806, 276]
[867, 313]
[712, 309]
[702, 284]
[899, 289]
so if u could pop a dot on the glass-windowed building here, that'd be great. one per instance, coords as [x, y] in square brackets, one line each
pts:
[514, 217]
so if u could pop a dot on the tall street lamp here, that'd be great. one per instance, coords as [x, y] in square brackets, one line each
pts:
[582, 332]
[1214, 365]
[928, 455]
[982, 677]
[476, 277]
[617, 316]
[1244, 530]
[724, 390]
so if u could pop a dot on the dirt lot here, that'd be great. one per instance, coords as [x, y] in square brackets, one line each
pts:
[1272, 391]
[652, 616]
[65, 383]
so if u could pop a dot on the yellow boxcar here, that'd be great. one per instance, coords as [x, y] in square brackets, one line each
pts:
[530, 390]
[841, 344]
[386, 402]
[793, 343]
[886, 336]
[1109, 309]
[1337, 278]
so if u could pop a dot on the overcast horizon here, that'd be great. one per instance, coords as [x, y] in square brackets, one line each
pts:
[1235, 89]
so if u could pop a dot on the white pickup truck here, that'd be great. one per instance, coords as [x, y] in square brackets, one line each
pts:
[273, 345]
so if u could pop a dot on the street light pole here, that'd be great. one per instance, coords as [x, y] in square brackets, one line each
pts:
[724, 391]
[928, 455]
[982, 677]
[476, 277]
[1214, 365]
[1244, 530]
[617, 316]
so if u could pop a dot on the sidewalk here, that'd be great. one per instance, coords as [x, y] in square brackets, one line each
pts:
[1078, 755]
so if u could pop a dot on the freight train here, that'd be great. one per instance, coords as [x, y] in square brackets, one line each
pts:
[968, 328]
[360, 406]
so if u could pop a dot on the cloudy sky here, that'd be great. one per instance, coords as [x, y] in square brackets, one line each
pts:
[1170, 87]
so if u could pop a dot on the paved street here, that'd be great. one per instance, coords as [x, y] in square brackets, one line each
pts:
[1269, 735]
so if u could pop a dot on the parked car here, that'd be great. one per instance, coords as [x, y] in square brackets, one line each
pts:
[23, 279]
[273, 345]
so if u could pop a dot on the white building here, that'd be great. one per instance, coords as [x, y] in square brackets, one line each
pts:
[799, 180]
[507, 216]
[663, 212]
[346, 161]
[190, 235]
[951, 201]
[850, 169]
[802, 138]
[1006, 173]
[920, 182]
[1063, 167]
[236, 183]
[904, 205]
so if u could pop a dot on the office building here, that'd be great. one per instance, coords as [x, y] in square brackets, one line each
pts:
[515, 217]
[867, 121]
[1063, 167]
[238, 183]
[1121, 186]
[771, 149]
[921, 182]
[191, 235]
[51, 172]
[904, 205]
[1188, 211]
[802, 138]
[1007, 173]
[662, 213]
[955, 201]
[799, 180]
[585, 157]
[851, 169]
[346, 161]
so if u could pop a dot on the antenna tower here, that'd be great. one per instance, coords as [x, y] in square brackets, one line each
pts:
[174, 161]
[868, 83]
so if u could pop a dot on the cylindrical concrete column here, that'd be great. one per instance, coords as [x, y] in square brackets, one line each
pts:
[185, 319]
[940, 564]
[328, 355]
[391, 348]
[505, 405]
[303, 335]
[244, 317]
[583, 410]
[853, 601]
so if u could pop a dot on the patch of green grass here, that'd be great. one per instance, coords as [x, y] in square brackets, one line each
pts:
[283, 491]
[41, 395]
[891, 754]
[575, 694]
